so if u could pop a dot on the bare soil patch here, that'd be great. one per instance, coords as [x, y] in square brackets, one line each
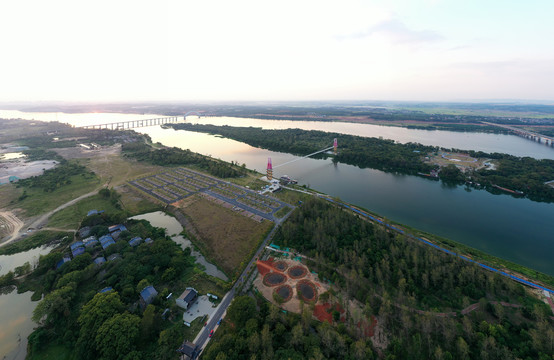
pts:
[324, 312]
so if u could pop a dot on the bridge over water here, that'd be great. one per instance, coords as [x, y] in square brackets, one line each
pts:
[548, 140]
[124, 125]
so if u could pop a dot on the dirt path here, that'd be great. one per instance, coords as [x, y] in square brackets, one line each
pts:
[12, 223]
[43, 219]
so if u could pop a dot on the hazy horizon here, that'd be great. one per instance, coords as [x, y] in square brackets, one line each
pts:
[250, 51]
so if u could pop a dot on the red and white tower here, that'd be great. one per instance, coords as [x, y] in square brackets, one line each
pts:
[335, 146]
[269, 170]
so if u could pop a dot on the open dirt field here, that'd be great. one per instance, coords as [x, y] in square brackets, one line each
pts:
[9, 224]
[225, 237]
[462, 161]
[22, 169]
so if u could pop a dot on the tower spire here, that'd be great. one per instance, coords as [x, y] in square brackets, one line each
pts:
[335, 146]
[269, 170]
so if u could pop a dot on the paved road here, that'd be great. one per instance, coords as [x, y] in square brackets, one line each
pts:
[202, 338]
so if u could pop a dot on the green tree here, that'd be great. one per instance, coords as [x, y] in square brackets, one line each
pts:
[55, 305]
[117, 336]
[242, 309]
[149, 323]
[93, 314]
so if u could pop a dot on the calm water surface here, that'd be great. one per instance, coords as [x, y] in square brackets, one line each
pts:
[173, 228]
[515, 229]
[16, 324]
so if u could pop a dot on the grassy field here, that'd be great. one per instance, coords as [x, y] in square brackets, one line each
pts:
[71, 217]
[224, 237]
[115, 169]
[39, 202]
[8, 193]
[252, 180]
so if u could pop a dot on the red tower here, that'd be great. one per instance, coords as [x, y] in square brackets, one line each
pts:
[335, 146]
[269, 170]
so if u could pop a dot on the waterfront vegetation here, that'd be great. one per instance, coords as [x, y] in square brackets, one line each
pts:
[35, 240]
[175, 156]
[74, 318]
[526, 175]
[391, 274]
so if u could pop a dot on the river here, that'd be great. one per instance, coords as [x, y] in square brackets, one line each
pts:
[516, 229]
[512, 228]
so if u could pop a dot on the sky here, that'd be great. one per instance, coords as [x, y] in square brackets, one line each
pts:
[242, 50]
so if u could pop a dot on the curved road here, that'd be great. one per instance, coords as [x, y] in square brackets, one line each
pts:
[42, 220]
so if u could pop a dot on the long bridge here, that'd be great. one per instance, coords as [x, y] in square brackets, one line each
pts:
[548, 140]
[130, 124]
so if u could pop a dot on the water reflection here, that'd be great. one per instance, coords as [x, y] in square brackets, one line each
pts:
[174, 228]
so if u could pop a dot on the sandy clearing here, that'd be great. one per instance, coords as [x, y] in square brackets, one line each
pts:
[13, 224]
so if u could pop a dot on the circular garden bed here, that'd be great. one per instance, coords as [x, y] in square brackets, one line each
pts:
[306, 291]
[274, 279]
[280, 265]
[285, 292]
[297, 272]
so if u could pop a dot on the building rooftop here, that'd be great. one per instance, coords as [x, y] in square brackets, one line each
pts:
[189, 349]
[188, 295]
[119, 227]
[148, 294]
[63, 261]
[107, 243]
[135, 241]
[105, 238]
[78, 251]
[76, 245]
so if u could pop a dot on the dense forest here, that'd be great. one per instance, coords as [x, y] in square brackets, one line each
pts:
[87, 324]
[255, 329]
[394, 276]
[175, 156]
[526, 175]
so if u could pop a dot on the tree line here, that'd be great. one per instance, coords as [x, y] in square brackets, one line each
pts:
[393, 275]
[175, 156]
[526, 174]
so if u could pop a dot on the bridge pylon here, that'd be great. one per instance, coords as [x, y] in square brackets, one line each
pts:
[269, 170]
